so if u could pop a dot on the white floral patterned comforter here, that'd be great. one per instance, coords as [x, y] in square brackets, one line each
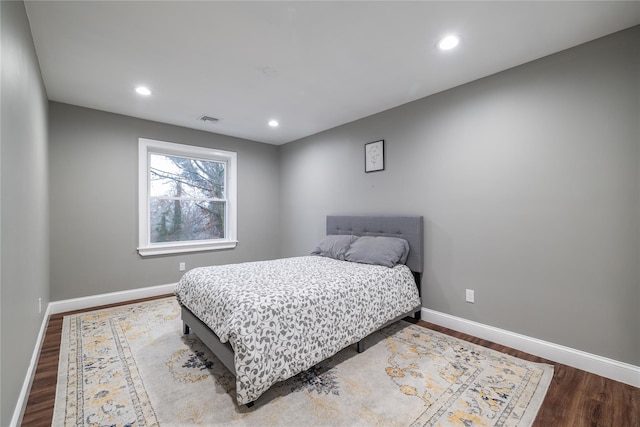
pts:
[284, 316]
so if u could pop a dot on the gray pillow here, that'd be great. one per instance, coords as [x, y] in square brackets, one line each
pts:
[335, 246]
[387, 251]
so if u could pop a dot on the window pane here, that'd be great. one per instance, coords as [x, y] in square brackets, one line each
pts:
[184, 220]
[173, 176]
[187, 198]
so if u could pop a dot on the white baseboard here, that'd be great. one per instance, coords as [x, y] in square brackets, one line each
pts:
[21, 405]
[609, 368]
[110, 298]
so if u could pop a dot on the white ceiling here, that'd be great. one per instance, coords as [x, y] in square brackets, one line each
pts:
[310, 65]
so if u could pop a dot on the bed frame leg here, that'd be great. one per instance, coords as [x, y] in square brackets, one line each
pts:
[417, 315]
[249, 405]
[360, 346]
[185, 328]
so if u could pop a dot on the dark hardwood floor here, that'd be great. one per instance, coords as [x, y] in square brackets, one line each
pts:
[575, 398]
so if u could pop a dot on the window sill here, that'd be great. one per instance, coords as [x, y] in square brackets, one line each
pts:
[168, 249]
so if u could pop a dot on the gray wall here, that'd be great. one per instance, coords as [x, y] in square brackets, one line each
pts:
[24, 266]
[529, 183]
[94, 190]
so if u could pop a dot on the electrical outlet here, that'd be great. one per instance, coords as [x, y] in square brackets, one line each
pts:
[471, 296]
[39, 305]
[182, 266]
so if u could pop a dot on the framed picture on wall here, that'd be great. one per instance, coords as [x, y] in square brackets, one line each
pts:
[374, 156]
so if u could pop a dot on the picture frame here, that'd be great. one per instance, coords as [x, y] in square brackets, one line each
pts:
[374, 156]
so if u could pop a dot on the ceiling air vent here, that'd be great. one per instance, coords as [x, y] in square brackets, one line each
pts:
[209, 119]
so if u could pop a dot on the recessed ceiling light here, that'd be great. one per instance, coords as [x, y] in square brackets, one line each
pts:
[448, 42]
[273, 123]
[142, 90]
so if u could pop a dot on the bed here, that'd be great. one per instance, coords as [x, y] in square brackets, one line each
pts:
[267, 321]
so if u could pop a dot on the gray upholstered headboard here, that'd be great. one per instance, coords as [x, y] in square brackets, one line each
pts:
[409, 228]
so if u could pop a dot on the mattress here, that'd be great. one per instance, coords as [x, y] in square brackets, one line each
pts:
[283, 316]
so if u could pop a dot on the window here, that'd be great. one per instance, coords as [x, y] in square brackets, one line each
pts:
[187, 198]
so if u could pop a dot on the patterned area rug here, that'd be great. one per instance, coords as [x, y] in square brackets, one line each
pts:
[130, 365]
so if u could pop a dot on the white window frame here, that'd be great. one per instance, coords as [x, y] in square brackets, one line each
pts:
[146, 147]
